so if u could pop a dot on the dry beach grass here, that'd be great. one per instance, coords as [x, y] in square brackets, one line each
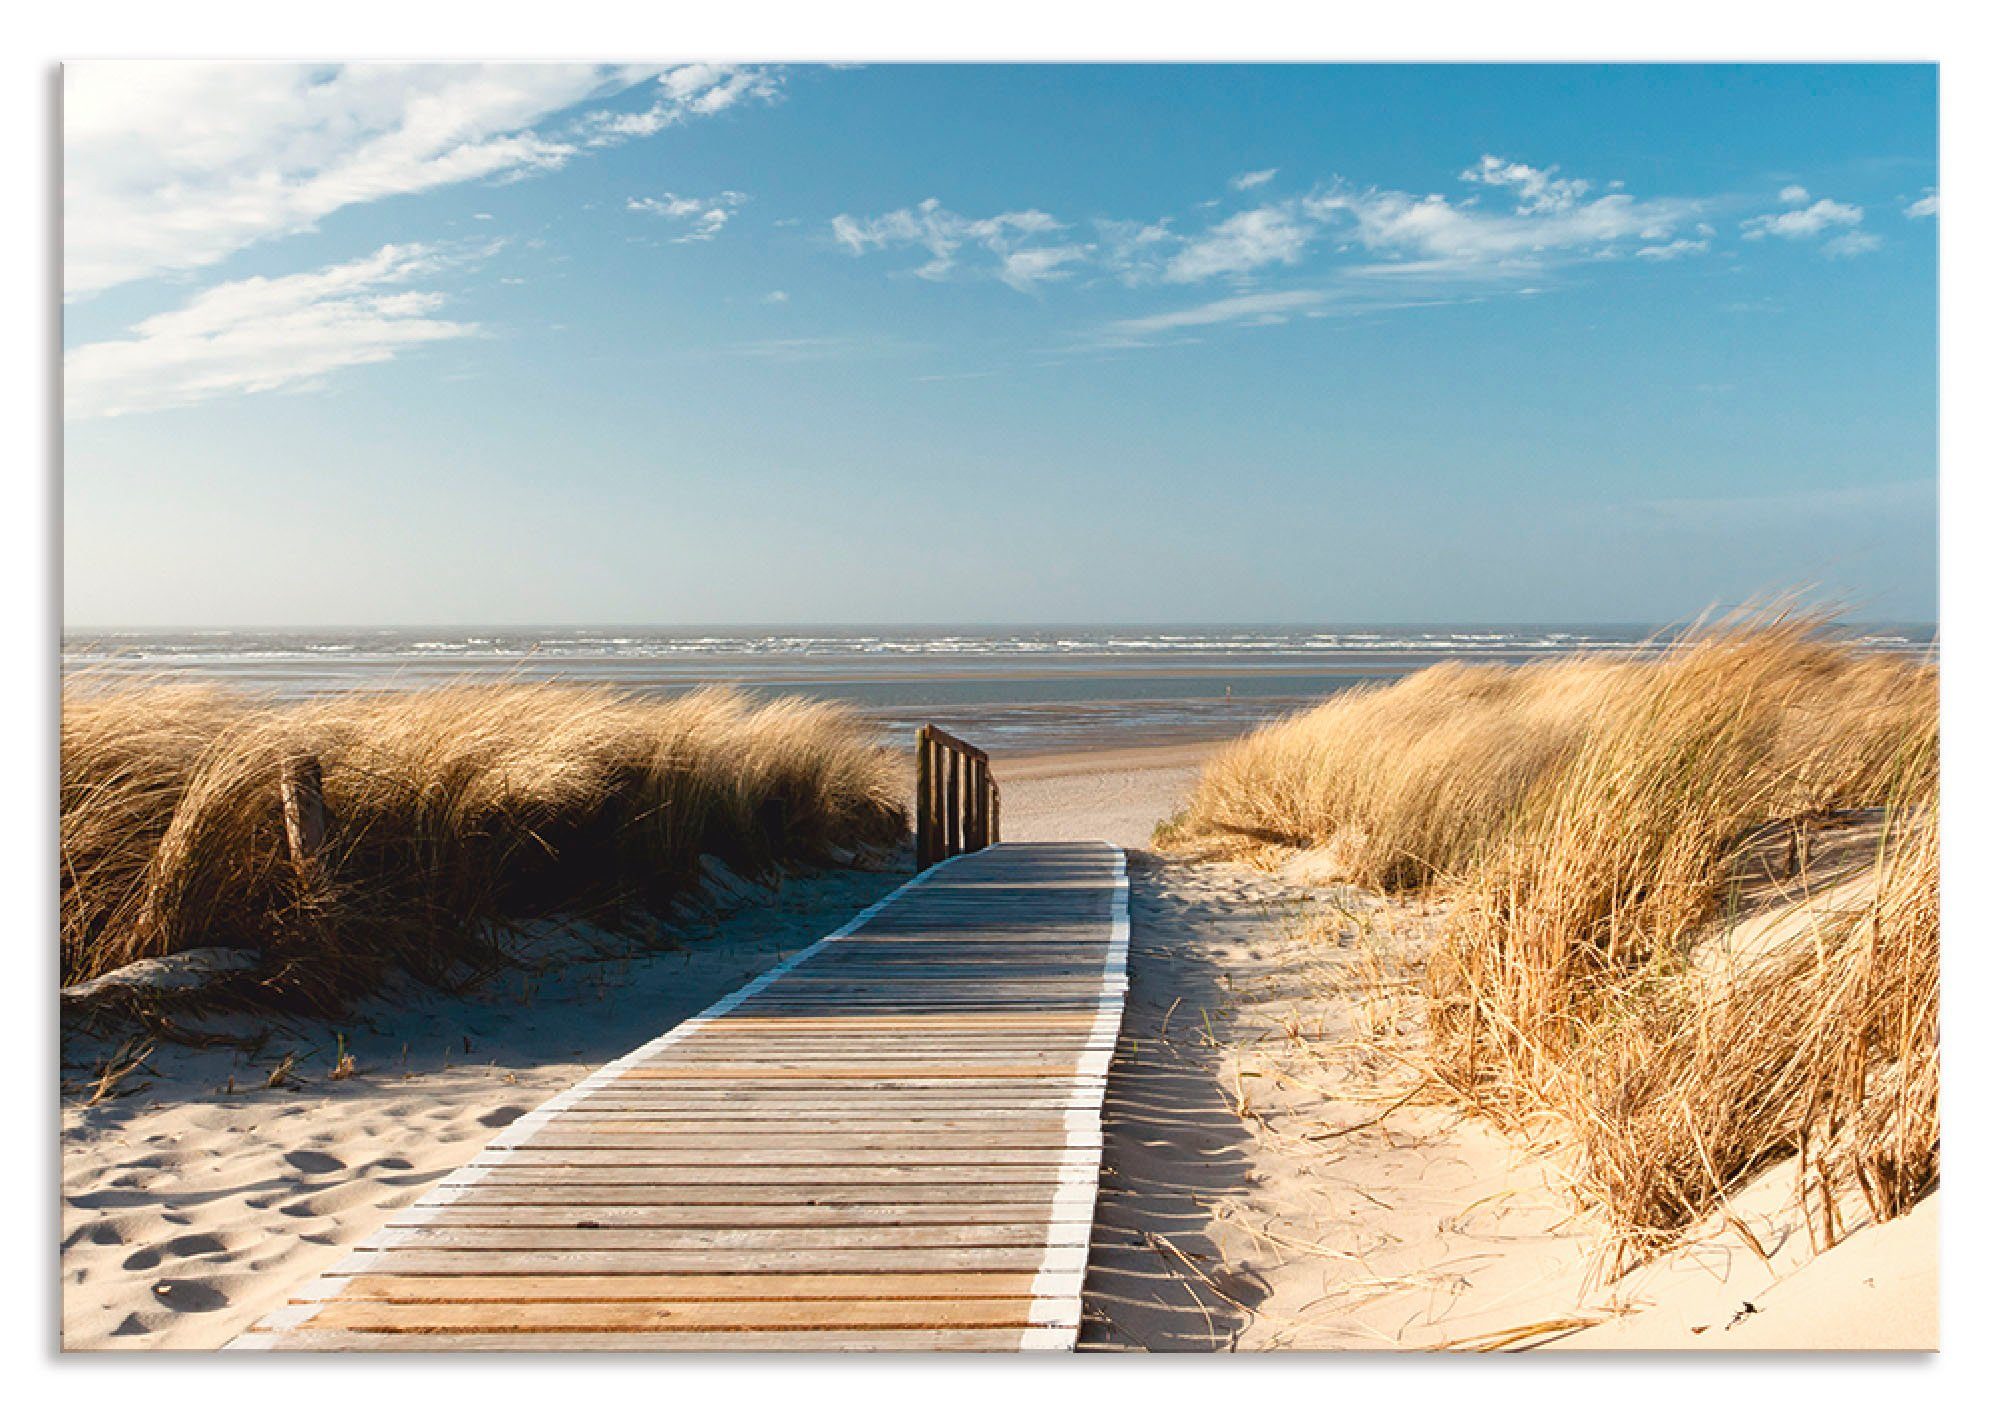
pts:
[450, 814]
[1595, 828]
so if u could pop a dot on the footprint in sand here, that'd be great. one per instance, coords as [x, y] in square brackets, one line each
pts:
[190, 1297]
[308, 1160]
[193, 1244]
[502, 1116]
[109, 1233]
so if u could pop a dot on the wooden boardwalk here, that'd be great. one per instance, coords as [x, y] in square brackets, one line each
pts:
[890, 1141]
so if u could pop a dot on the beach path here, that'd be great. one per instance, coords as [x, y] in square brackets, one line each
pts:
[890, 1141]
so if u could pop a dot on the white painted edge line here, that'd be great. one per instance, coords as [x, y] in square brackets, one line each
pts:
[307, 1301]
[1055, 1314]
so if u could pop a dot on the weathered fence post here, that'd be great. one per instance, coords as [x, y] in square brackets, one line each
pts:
[924, 788]
[958, 801]
[302, 791]
[954, 838]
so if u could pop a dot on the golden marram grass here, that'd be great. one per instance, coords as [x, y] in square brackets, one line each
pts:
[1592, 823]
[452, 813]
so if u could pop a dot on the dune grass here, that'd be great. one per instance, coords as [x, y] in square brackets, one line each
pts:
[1591, 822]
[451, 814]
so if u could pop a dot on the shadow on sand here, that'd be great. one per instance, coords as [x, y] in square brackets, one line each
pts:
[1174, 1145]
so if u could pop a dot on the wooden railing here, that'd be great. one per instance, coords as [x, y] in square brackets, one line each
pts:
[958, 803]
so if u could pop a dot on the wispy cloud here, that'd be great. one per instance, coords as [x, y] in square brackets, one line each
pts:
[1240, 244]
[1346, 296]
[1805, 221]
[1537, 189]
[262, 335]
[1672, 250]
[1546, 218]
[172, 167]
[1344, 249]
[1549, 222]
[1021, 243]
[697, 218]
[687, 92]
[1273, 307]
[1851, 243]
[1925, 205]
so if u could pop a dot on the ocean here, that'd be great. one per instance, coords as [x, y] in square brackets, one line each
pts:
[1016, 690]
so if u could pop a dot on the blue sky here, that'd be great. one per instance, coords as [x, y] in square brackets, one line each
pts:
[584, 344]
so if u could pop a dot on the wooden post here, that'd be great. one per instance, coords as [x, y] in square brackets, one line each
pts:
[303, 794]
[954, 839]
[970, 807]
[938, 850]
[924, 859]
[936, 834]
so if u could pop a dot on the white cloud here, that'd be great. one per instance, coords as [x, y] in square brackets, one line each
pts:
[698, 218]
[1925, 205]
[1024, 269]
[1544, 220]
[776, 296]
[1135, 251]
[1802, 222]
[1795, 196]
[1459, 237]
[1018, 241]
[1246, 181]
[1671, 250]
[1269, 308]
[1246, 241]
[175, 166]
[1852, 243]
[689, 91]
[1537, 189]
[260, 335]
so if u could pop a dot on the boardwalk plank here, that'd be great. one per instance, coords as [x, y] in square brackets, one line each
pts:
[890, 1141]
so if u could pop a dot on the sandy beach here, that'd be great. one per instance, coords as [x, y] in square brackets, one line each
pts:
[1115, 795]
[198, 1199]
[1269, 1181]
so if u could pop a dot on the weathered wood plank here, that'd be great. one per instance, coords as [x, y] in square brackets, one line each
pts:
[821, 1195]
[610, 1317]
[858, 1259]
[609, 1167]
[842, 1145]
[891, 1235]
[911, 1286]
[664, 1341]
[658, 1216]
[914, 1132]
[889, 1141]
